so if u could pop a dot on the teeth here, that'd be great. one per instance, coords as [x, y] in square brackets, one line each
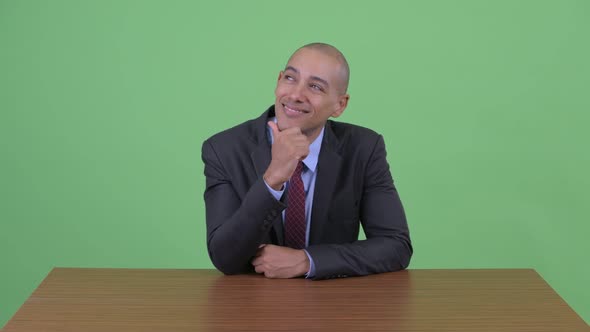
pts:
[293, 110]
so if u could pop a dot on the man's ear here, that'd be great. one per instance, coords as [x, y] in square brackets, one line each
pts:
[280, 75]
[342, 103]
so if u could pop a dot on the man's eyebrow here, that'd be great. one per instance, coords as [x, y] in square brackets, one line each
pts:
[315, 78]
[321, 80]
[292, 68]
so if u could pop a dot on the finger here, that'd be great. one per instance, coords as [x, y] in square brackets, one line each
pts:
[258, 255]
[259, 269]
[259, 251]
[300, 144]
[275, 129]
[295, 131]
[301, 150]
[301, 155]
[256, 261]
[262, 245]
[298, 141]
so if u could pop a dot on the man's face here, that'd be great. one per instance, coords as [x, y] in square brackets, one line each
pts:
[309, 91]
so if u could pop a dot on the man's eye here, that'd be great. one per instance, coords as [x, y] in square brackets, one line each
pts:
[316, 87]
[289, 78]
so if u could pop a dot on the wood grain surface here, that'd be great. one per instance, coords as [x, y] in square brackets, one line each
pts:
[72, 299]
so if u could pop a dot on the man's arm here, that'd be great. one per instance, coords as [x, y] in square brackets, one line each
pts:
[235, 227]
[388, 246]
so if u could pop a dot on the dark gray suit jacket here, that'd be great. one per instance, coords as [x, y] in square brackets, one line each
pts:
[353, 186]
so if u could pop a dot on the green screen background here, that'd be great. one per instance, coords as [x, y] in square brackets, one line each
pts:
[104, 106]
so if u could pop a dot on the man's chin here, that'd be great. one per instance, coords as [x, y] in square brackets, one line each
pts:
[285, 122]
[284, 125]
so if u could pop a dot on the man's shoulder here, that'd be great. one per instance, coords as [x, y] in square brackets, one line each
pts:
[344, 128]
[248, 132]
[240, 131]
[348, 134]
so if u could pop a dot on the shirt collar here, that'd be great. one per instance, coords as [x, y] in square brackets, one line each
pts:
[311, 161]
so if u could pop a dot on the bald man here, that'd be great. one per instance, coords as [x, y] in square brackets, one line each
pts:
[287, 192]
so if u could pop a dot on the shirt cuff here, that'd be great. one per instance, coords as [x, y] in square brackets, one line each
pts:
[311, 273]
[277, 194]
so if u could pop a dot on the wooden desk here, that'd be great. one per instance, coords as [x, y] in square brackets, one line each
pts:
[205, 300]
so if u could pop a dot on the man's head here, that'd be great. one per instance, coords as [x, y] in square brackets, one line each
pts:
[312, 88]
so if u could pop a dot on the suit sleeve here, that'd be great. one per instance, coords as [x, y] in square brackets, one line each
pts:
[236, 225]
[388, 246]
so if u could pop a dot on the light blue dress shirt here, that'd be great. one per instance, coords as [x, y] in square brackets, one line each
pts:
[308, 176]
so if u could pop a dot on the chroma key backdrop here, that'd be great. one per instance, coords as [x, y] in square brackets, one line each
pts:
[104, 105]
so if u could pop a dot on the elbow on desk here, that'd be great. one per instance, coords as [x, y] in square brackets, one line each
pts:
[225, 261]
[405, 254]
[225, 266]
[228, 271]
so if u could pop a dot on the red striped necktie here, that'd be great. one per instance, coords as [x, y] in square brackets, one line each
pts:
[295, 224]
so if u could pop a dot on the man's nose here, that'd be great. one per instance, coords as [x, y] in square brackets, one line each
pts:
[297, 92]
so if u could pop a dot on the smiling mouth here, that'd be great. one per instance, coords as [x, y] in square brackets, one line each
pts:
[292, 110]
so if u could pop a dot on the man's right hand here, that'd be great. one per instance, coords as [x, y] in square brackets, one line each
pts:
[288, 148]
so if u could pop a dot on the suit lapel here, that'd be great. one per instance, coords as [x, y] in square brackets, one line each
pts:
[328, 168]
[261, 159]
[261, 156]
[261, 153]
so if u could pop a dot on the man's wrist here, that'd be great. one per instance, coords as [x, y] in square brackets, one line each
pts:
[271, 182]
[305, 265]
[311, 271]
[277, 194]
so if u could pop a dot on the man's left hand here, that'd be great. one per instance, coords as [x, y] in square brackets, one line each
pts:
[280, 262]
